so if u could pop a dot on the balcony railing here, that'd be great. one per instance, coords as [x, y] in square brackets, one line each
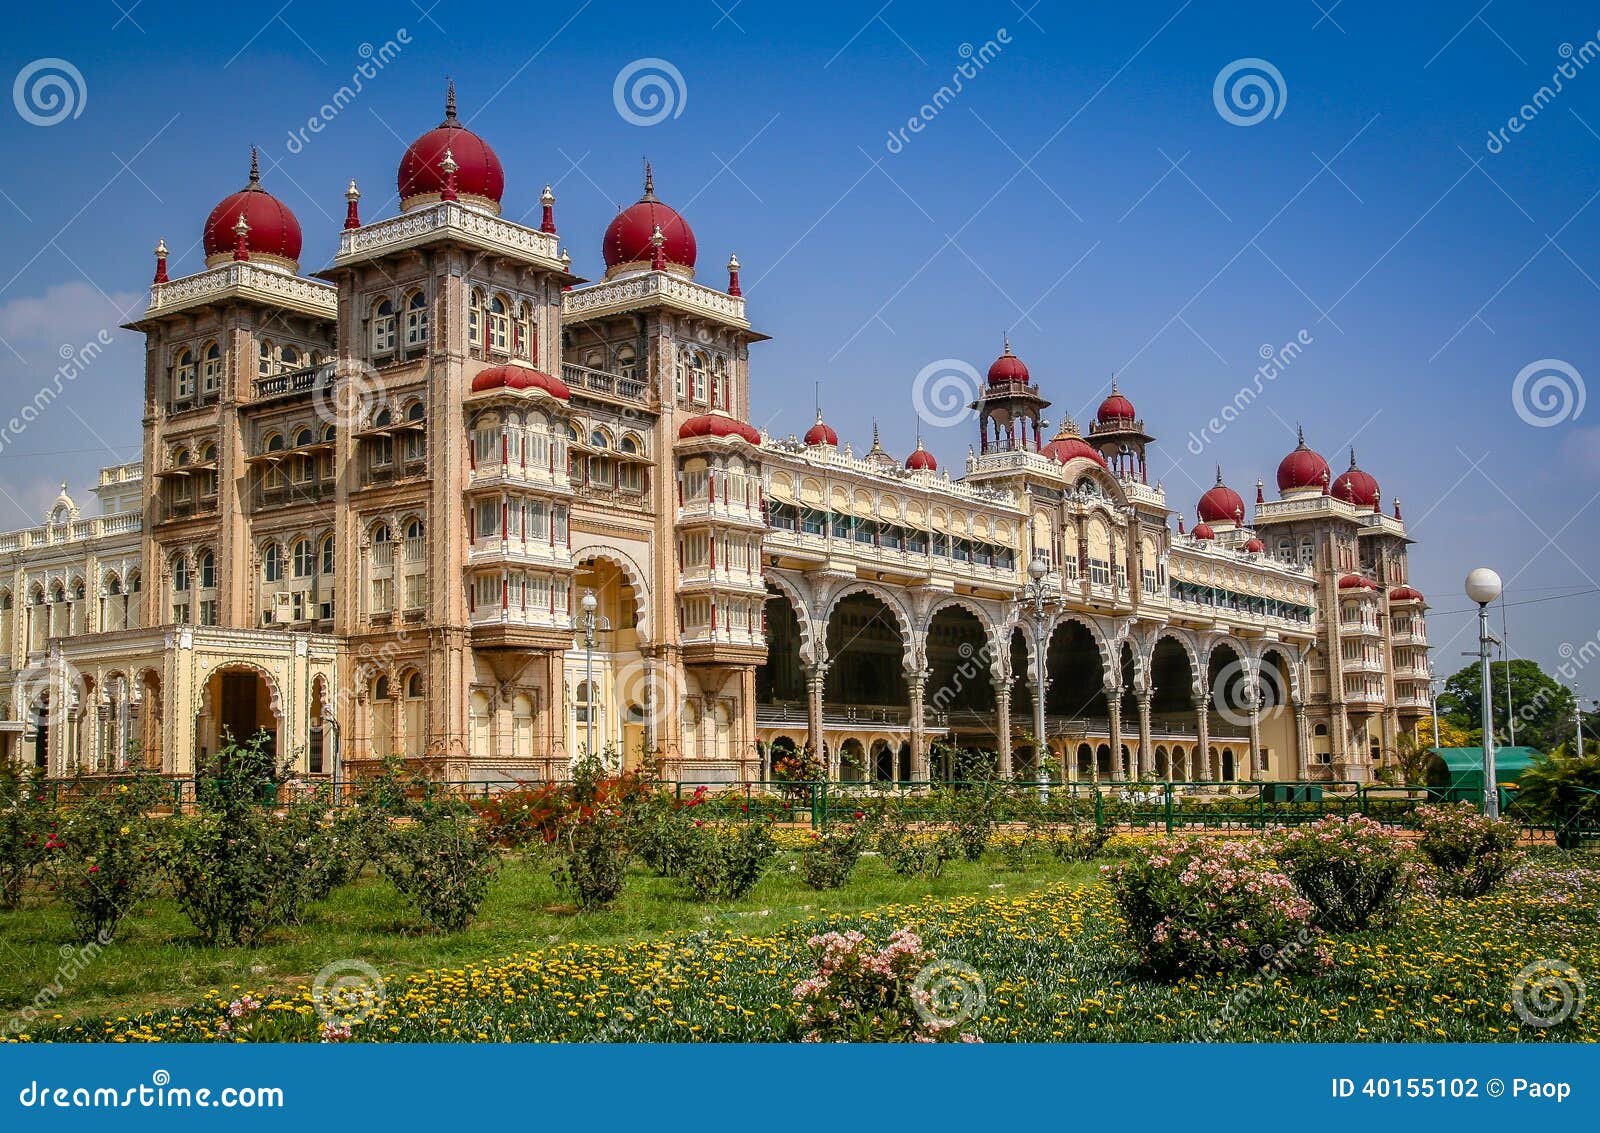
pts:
[600, 381]
[306, 380]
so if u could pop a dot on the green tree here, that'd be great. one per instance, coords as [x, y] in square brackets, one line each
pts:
[1564, 790]
[1542, 708]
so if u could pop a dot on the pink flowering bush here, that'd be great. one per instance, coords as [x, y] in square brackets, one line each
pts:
[1473, 854]
[1201, 905]
[874, 995]
[1351, 868]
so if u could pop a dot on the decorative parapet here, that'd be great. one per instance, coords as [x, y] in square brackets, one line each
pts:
[656, 288]
[455, 219]
[78, 530]
[244, 280]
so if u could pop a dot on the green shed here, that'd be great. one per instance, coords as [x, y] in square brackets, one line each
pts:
[1461, 768]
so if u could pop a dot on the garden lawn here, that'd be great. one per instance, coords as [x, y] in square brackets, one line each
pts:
[156, 960]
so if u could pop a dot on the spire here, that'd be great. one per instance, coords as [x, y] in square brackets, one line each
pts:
[449, 102]
[1005, 337]
[255, 169]
[658, 249]
[161, 262]
[566, 266]
[352, 215]
[649, 182]
[1180, 523]
[1219, 475]
[1300, 431]
[1352, 456]
[448, 164]
[241, 250]
[1261, 493]
[548, 200]
[1397, 507]
[733, 275]
[1324, 481]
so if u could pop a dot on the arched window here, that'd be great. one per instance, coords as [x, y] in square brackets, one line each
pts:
[383, 327]
[180, 574]
[416, 320]
[382, 419]
[326, 555]
[272, 563]
[304, 562]
[499, 325]
[525, 334]
[183, 376]
[381, 710]
[207, 563]
[211, 369]
[208, 453]
[627, 361]
[413, 529]
[303, 437]
[697, 378]
[274, 443]
[265, 366]
[290, 358]
[475, 318]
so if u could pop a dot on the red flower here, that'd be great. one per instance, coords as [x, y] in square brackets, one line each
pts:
[94, 869]
[859, 814]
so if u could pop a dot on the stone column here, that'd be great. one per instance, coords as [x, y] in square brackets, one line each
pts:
[917, 686]
[816, 681]
[1114, 702]
[1255, 738]
[1202, 765]
[1302, 743]
[1002, 707]
[1147, 758]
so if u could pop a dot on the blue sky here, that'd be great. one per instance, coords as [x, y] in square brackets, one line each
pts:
[1082, 192]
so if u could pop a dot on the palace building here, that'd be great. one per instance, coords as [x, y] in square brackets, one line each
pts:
[373, 498]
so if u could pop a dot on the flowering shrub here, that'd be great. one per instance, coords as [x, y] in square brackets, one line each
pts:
[1077, 841]
[102, 862]
[830, 857]
[441, 865]
[26, 832]
[725, 862]
[909, 852]
[532, 815]
[1206, 905]
[1473, 854]
[865, 994]
[661, 829]
[1352, 869]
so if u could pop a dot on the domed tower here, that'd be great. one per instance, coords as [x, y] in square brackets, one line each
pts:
[1357, 487]
[1221, 508]
[450, 162]
[221, 343]
[631, 243]
[1118, 432]
[1009, 407]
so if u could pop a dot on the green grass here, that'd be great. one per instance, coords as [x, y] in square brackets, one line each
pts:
[157, 961]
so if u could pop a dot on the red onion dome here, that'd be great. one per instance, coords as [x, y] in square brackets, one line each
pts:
[512, 376]
[1357, 582]
[1404, 594]
[273, 232]
[718, 425]
[1220, 504]
[1355, 486]
[1254, 546]
[1008, 368]
[1203, 531]
[1069, 445]
[478, 175]
[1302, 468]
[628, 236]
[922, 460]
[821, 434]
[1115, 408]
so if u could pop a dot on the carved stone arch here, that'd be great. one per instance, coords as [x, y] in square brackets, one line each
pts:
[630, 570]
[813, 634]
[996, 636]
[1096, 633]
[1291, 665]
[275, 699]
[857, 586]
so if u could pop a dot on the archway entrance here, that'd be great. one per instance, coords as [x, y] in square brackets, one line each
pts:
[237, 706]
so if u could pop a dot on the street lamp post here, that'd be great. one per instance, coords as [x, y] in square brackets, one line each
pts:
[1038, 591]
[589, 604]
[1483, 587]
